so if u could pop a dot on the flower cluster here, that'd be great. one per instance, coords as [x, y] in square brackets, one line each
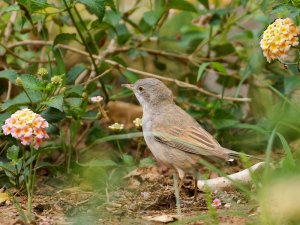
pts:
[56, 80]
[116, 127]
[278, 38]
[137, 122]
[26, 126]
[96, 99]
[42, 72]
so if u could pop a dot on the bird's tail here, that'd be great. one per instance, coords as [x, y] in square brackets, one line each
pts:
[237, 155]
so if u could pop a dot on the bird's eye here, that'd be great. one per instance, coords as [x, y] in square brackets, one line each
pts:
[141, 88]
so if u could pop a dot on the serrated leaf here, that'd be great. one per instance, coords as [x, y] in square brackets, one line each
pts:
[96, 7]
[12, 153]
[152, 17]
[63, 38]
[56, 102]
[10, 75]
[31, 82]
[201, 70]
[181, 5]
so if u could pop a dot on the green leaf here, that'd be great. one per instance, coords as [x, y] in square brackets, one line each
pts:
[53, 115]
[201, 69]
[289, 157]
[56, 102]
[291, 84]
[5, 166]
[10, 75]
[12, 153]
[74, 91]
[251, 127]
[22, 99]
[73, 73]
[152, 17]
[59, 60]
[96, 7]
[224, 123]
[73, 102]
[14, 7]
[219, 67]
[205, 3]
[4, 116]
[34, 5]
[31, 82]
[222, 50]
[100, 163]
[181, 5]
[131, 77]
[128, 160]
[63, 38]
[147, 162]
[112, 18]
[111, 4]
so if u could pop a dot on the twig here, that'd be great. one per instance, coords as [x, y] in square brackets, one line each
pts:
[113, 63]
[8, 90]
[8, 28]
[221, 183]
[97, 77]
[87, 48]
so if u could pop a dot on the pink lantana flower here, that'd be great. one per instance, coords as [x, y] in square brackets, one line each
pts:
[96, 99]
[216, 202]
[27, 126]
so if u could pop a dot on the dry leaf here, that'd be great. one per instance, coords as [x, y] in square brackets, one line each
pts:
[3, 197]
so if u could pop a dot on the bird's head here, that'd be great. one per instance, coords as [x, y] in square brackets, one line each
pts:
[150, 92]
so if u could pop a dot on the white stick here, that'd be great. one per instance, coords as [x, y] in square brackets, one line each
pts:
[221, 183]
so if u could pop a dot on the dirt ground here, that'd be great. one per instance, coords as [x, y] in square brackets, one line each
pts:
[147, 198]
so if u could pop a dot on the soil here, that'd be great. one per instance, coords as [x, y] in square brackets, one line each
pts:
[147, 198]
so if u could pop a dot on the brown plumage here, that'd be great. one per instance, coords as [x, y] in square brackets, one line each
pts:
[173, 136]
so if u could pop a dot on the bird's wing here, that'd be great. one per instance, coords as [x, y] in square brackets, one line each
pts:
[193, 139]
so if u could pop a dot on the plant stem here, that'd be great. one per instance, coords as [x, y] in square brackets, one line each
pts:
[88, 50]
[119, 147]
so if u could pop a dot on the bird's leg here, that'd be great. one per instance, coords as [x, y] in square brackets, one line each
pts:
[196, 178]
[195, 189]
[181, 176]
[176, 189]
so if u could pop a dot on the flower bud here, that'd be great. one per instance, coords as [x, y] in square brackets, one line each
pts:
[19, 81]
[62, 90]
[42, 72]
[84, 95]
[56, 80]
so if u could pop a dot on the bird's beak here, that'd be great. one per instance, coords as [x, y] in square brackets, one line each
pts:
[129, 86]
